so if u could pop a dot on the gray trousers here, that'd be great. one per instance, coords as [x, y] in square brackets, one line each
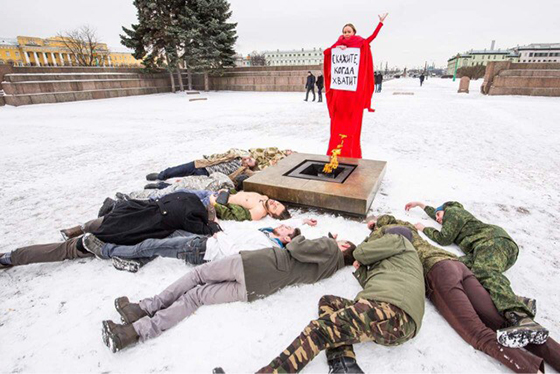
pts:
[216, 282]
[54, 252]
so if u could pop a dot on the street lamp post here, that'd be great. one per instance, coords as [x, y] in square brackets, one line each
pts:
[456, 65]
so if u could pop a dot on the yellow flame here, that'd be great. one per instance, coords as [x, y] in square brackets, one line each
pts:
[333, 164]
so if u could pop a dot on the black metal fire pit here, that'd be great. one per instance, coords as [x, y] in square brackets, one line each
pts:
[310, 169]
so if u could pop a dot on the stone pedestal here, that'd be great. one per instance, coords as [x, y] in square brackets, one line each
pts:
[353, 196]
[464, 85]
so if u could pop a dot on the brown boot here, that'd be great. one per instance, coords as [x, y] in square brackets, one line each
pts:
[118, 337]
[523, 331]
[130, 312]
[72, 232]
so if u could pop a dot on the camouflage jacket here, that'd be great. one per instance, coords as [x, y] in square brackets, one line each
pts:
[462, 228]
[390, 271]
[429, 255]
[266, 157]
[232, 212]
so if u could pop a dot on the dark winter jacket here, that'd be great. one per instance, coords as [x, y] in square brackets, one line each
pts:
[380, 78]
[376, 78]
[133, 221]
[302, 261]
[462, 228]
[320, 82]
[310, 82]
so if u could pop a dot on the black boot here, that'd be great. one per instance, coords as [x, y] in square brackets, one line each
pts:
[523, 331]
[118, 337]
[72, 232]
[152, 186]
[130, 312]
[152, 176]
[344, 365]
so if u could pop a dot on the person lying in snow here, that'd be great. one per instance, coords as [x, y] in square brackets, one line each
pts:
[241, 206]
[388, 311]
[467, 306]
[489, 251]
[247, 276]
[130, 222]
[213, 182]
[195, 249]
[234, 163]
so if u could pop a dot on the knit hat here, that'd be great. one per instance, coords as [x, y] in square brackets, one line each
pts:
[439, 208]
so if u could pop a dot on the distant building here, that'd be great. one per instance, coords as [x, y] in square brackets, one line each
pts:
[294, 57]
[539, 52]
[481, 57]
[31, 51]
[242, 61]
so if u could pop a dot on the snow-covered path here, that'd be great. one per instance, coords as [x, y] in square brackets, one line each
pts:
[499, 156]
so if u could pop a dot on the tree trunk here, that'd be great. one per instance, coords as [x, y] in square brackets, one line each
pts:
[181, 87]
[170, 70]
[189, 78]
[206, 82]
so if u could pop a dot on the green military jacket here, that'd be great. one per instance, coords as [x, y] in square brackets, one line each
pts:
[429, 255]
[462, 228]
[232, 212]
[301, 262]
[391, 271]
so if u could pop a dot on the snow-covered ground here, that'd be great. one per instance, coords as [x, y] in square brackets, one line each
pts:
[499, 156]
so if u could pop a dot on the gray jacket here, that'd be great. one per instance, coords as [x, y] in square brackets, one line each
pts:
[302, 261]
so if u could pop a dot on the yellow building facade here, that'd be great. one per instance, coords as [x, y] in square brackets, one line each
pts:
[31, 51]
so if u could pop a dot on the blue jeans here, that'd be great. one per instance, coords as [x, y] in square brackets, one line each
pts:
[183, 170]
[182, 245]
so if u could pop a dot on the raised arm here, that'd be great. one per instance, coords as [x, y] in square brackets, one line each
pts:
[374, 35]
[381, 20]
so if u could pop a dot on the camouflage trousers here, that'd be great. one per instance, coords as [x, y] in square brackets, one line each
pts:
[341, 323]
[488, 262]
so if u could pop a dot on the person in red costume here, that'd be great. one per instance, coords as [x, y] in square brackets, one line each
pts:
[346, 108]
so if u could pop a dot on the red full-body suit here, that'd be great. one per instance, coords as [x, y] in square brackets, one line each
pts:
[346, 108]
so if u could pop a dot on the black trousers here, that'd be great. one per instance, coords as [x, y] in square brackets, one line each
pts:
[307, 93]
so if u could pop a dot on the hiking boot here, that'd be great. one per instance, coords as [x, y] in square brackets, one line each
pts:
[344, 365]
[93, 245]
[72, 232]
[523, 331]
[118, 337]
[130, 312]
[218, 370]
[127, 264]
[151, 186]
[152, 176]
[531, 304]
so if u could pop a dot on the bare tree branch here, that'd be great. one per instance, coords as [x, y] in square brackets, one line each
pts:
[83, 43]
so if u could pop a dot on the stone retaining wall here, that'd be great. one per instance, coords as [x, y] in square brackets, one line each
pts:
[37, 85]
[265, 78]
[531, 79]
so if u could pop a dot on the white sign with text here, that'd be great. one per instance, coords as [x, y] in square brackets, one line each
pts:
[345, 64]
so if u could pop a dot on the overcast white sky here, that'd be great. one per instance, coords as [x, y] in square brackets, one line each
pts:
[415, 31]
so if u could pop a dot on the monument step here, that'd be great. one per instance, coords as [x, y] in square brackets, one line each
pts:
[522, 81]
[525, 91]
[59, 97]
[36, 87]
[34, 77]
[530, 73]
